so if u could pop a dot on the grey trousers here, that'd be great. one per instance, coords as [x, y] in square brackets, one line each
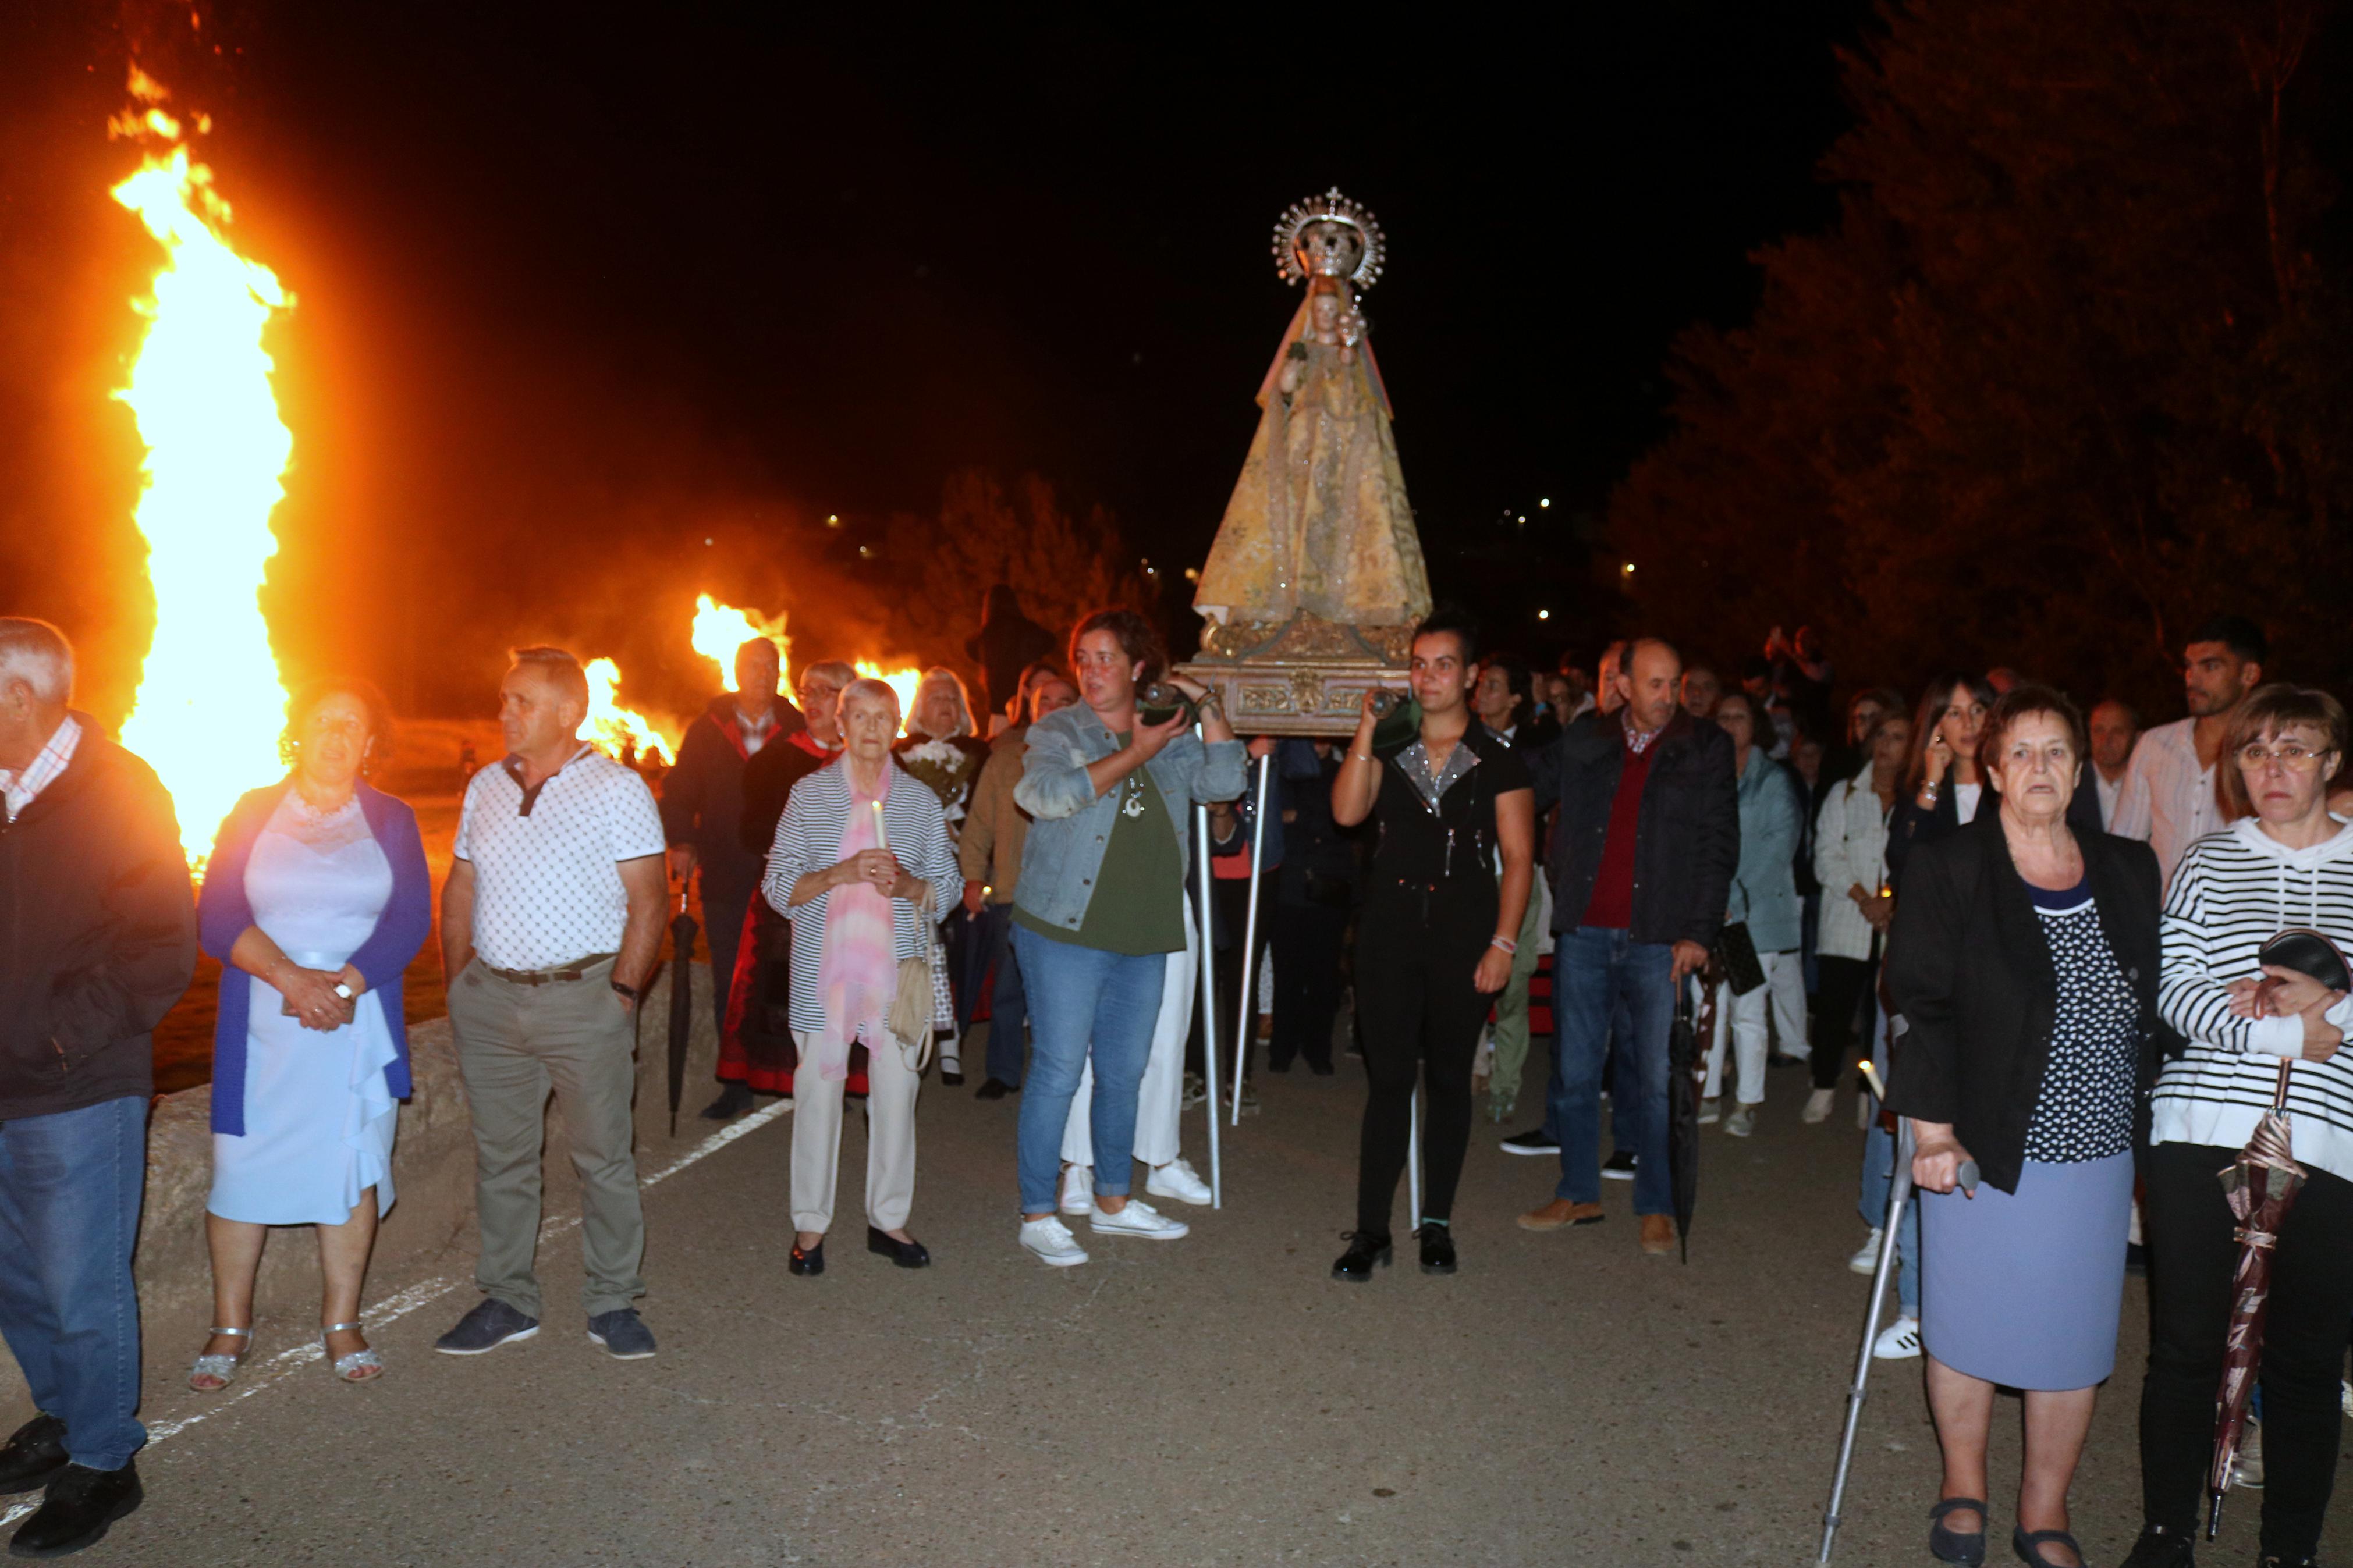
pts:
[514, 1043]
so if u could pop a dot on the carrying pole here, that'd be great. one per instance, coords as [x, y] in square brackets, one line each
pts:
[1250, 936]
[1208, 999]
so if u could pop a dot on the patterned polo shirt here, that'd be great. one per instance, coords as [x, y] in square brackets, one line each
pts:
[547, 875]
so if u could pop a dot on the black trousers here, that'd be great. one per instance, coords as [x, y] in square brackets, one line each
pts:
[727, 895]
[1418, 1009]
[1842, 1006]
[2191, 1258]
[1310, 941]
[1230, 896]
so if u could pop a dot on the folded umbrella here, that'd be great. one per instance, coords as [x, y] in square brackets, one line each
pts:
[1685, 1063]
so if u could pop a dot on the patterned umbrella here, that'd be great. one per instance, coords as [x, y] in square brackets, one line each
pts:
[2262, 1183]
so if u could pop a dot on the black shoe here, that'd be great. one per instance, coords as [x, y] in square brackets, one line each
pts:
[810, 1264]
[2028, 1544]
[35, 1452]
[2135, 1258]
[1365, 1249]
[2287, 1562]
[491, 1324]
[994, 1088]
[953, 1080]
[1619, 1167]
[1282, 1065]
[1320, 1069]
[733, 1101]
[906, 1254]
[1535, 1140]
[1437, 1247]
[1783, 1059]
[81, 1503]
[2161, 1546]
[1953, 1545]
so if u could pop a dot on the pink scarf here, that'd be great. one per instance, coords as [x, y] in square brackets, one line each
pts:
[859, 970]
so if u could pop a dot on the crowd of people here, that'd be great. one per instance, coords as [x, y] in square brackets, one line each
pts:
[2045, 928]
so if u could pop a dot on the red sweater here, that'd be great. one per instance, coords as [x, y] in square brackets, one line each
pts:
[1612, 905]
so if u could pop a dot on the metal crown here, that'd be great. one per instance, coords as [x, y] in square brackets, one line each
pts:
[1296, 256]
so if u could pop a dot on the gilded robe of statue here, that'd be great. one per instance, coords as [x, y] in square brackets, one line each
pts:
[1319, 521]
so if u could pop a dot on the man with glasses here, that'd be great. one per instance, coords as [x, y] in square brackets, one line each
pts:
[2168, 795]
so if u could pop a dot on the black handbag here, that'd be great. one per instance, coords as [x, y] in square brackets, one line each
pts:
[1737, 960]
[2309, 952]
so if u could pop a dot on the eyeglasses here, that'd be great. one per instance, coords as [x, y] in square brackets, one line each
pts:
[2287, 753]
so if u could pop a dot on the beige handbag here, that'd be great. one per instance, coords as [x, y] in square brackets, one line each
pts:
[911, 1005]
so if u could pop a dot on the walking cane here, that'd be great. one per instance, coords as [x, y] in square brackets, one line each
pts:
[1250, 936]
[1209, 1003]
[1413, 1154]
[1899, 1194]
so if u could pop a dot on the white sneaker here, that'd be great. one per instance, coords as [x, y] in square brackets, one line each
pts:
[1866, 1260]
[1138, 1218]
[1899, 1341]
[1051, 1241]
[1176, 1180]
[1711, 1110]
[1742, 1121]
[1078, 1190]
[1818, 1106]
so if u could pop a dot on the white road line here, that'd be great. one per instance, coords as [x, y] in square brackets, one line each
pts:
[289, 1362]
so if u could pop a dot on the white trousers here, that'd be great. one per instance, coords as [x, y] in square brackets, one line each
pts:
[1160, 1099]
[891, 1084]
[1743, 1018]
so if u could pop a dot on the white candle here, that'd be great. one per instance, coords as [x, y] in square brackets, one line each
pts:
[881, 838]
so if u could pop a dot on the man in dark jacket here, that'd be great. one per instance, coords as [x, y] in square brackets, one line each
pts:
[1640, 869]
[98, 939]
[703, 803]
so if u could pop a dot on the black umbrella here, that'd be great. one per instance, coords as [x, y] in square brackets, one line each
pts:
[681, 1002]
[1685, 1064]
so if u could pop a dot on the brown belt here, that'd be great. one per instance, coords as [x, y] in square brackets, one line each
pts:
[576, 969]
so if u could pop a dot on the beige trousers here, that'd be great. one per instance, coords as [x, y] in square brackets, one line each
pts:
[891, 1084]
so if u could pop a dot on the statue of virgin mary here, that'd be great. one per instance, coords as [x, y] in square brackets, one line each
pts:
[1319, 521]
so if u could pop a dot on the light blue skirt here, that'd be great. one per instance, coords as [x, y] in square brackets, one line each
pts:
[2024, 1289]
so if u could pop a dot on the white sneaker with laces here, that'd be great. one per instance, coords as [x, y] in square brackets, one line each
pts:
[1178, 1179]
[1866, 1259]
[1138, 1218]
[1711, 1110]
[1051, 1241]
[1818, 1106]
[1899, 1341]
[1078, 1190]
[1742, 1121]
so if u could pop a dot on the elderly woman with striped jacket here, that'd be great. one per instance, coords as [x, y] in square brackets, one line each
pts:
[862, 865]
[2284, 862]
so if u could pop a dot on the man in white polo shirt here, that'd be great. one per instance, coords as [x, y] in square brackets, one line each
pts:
[550, 922]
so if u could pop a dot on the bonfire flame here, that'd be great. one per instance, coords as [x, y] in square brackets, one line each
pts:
[721, 629]
[210, 703]
[616, 728]
[904, 681]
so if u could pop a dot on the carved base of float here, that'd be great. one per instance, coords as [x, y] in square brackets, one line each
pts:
[1304, 676]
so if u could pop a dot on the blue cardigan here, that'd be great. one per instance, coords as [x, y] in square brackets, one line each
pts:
[223, 912]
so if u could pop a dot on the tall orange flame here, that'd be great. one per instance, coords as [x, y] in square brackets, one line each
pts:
[616, 728]
[720, 629]
[209, 706]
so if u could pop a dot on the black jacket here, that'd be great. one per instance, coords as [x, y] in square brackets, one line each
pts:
[98, 932]
[1687, 839]
[703, 797]
[1969, 969]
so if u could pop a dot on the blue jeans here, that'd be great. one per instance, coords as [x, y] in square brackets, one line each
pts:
[1594, 973]
[1625, 1110]
[70, 1186]
[1878, 1176]
[1008, 1008]
[1082, 997]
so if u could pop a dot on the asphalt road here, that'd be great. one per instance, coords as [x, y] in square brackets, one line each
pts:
[1564, 1399]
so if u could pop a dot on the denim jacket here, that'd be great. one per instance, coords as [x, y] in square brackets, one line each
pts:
[1072, 822]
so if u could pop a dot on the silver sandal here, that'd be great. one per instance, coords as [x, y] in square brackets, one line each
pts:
[224, 1367]
[359, 1366]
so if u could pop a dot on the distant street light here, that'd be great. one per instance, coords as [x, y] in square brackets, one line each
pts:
[1547, 501]
[1543, 614]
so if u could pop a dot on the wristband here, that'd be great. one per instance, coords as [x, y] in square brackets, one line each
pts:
[631, 992]
[1506, 944]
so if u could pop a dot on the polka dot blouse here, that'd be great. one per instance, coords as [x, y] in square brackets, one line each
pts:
[2086, 1108]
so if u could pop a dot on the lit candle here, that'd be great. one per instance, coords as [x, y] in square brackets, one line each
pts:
[881, 838]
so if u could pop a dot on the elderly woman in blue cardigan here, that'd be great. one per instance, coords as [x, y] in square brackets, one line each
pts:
[315, 899]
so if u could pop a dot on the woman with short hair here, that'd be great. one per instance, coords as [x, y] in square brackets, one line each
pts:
[859, 865]
[1764, 900]
[315, 900]
[2284, 862]
[2024, 960]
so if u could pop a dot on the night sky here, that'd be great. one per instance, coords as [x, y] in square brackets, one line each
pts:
[580, 289]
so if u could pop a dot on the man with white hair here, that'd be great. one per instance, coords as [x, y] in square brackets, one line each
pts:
[98, 940]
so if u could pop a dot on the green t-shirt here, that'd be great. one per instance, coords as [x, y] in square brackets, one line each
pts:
[1138, 906]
